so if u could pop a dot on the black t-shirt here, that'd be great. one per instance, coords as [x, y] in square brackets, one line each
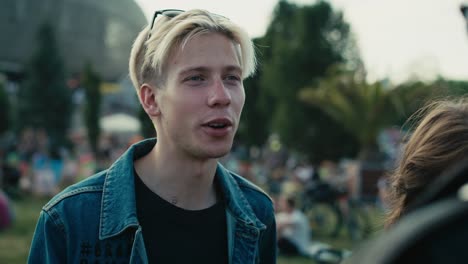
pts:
[176, 235]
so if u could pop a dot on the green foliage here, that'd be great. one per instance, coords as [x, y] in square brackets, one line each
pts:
[363, 109]
[301, 43]
[452, 87]
[411, 96]
[253, 128]
[4, 110]
[44, 101]
[92, 111]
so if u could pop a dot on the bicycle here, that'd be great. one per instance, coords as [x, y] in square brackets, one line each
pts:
[328, 214]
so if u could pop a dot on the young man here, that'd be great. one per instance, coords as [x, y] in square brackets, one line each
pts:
[169, 200]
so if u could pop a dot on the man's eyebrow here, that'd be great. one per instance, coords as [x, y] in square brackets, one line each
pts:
[206, 69]
[233, 68]
[194, 69]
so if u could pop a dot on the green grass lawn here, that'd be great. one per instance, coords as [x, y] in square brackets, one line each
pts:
[15, 242]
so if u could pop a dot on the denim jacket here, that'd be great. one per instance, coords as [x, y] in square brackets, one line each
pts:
[95, 220]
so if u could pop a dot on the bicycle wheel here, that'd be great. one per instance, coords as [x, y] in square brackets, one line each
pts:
[324, 218]
[358, 224]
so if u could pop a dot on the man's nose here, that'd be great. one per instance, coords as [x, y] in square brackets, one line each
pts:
[219, 94]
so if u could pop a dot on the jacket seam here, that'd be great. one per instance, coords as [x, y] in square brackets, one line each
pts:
[55, 217]
[68, 194]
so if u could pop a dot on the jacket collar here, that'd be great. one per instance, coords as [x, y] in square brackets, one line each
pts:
[236, 201]
[118, 206]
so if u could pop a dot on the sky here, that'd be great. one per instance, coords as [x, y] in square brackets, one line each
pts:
[398, 39]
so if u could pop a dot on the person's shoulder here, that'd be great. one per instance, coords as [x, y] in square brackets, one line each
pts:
[85, 189]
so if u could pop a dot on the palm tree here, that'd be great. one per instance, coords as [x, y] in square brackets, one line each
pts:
[363, 109]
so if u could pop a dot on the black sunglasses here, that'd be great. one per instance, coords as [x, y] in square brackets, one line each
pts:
[170, 13]
[166, 12]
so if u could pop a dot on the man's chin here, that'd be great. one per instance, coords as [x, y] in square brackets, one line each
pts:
[212, 151]
[217, 153]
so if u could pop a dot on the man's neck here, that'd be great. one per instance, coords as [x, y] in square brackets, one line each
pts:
[187, 183]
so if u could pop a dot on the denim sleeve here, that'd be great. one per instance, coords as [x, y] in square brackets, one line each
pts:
[48, 243]
[268, 244]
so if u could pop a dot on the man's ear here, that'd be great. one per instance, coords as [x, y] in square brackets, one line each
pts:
[148, 100]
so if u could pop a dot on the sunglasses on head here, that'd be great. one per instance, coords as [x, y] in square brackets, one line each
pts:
[166, 12]
[170, 13]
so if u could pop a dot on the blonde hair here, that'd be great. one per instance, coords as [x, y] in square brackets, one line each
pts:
[150, 50]
[439, 141]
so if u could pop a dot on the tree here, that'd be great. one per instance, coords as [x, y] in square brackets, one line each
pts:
[254, 126]
[363, 109]
[452, 87]
[412, 95]
[4, 110]
[92, 111]
[300, 44]
[44, 101]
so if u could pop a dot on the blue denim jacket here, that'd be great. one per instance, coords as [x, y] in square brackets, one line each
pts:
[95, 221]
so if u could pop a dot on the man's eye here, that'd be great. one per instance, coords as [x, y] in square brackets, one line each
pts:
[233, 78]
[194, 78]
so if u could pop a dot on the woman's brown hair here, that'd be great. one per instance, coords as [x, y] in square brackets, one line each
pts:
[438, 142]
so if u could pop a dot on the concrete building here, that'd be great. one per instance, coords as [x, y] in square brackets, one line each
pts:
[97, 31]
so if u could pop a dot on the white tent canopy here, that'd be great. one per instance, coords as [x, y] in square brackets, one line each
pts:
[120, 123]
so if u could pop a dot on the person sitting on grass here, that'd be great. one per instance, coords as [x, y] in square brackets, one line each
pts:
[292, 228]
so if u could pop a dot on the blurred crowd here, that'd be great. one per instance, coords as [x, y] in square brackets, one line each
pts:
[284, 174]
[31, 165]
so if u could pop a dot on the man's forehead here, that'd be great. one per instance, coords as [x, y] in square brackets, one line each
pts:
[203, 53]
[204, 43]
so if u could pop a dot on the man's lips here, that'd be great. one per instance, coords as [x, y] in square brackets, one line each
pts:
[218, 123]
[218, 127]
